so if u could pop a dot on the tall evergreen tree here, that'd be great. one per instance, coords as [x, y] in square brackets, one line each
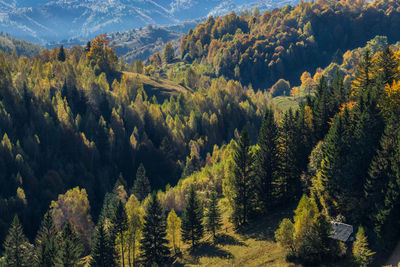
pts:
[18, 252]
[103, 248]
[192, 219]
[321, 109]
[389, 65]
[141, 187]
[287, 185]
[46, 241]
[363, 76]
[266, 161]
[153, 244]
[70, 249]
[168, 53]
[120, 225]
[213, 216]
[61, 54]
[243, 181]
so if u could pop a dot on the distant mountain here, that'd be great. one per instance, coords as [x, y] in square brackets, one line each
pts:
[43, 21]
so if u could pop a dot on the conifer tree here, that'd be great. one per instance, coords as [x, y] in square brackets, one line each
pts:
[18, 252]
[243, 181]
[389, 65]
[168, 53]
[321, 109]
[120, 225]
[61, 54]
[362, 254]
[288, 182]
[266, 161]
[46, 241]
[213, 215]
[174, 224]
[103, 249]
[363, 76]
[192, 219]
[70, 248]
[141, 187]
[153, 243]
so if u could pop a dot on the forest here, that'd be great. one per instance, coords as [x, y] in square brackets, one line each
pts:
[100, 167]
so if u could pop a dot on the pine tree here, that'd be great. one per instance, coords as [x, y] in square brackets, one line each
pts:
[168, 53]
[18, 252]
[362, 254]
[266, 161]
[213, 215]
[103, 249]
[46, 241]
[141, 187]
[120, 225]
[61, 54]
[389, 65]
[153, 243]
[70, 248]
[192, 227]
[363, 76]
[243, 181]
[321, 109]
[287, 185]
[174, 224]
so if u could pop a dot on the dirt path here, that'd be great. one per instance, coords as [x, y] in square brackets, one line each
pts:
[394, 258]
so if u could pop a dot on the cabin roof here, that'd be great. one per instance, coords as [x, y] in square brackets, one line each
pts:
[341, 231]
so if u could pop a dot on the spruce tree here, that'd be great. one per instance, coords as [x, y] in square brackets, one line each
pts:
[141, 187]
[154, 243]
[362, 254]
[46, 241]
[120, 225]
[192, 227]
[363, 75]
[169, 53]
[61, 54]
[243, 181]
[103, 248]
[70, 249]
[389, 64]
[266, 161]
[213, 216]
[18, 252]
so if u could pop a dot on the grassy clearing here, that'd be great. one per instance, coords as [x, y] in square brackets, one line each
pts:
[253, 246]
[284, 103]
[159, 87]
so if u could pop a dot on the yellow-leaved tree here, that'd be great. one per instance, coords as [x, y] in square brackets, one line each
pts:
[173, 230]
[135, 214]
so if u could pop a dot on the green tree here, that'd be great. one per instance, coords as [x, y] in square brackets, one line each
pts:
[135, 224]
[363, 76]
[61, 54]
[192, 219]
[138, 66]
[120, 225]
[18, 252]
[266, 161]
[168, 53]
[174, 224]
[46, 240]
[389, 66]
[213, 215]
[362, 254]
[153, 243]
[284, 235]
[243, 180]
[103, 249]
[141, 186]
[70, 250]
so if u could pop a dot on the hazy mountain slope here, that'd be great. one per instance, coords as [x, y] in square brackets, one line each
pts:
[22, 47]
[44, 21]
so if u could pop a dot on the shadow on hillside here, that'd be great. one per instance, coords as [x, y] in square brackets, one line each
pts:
[265, 227]
[208, 249]
[224, 239]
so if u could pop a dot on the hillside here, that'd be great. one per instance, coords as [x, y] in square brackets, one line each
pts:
[254, 146]
[22, 47]
[47, 21]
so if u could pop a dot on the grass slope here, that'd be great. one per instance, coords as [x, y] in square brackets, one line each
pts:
[253, 246]
[159, 87]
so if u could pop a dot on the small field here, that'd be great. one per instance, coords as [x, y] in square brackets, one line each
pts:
[254, 246]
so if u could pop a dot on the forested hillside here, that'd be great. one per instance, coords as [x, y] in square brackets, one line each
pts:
[174, 162]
